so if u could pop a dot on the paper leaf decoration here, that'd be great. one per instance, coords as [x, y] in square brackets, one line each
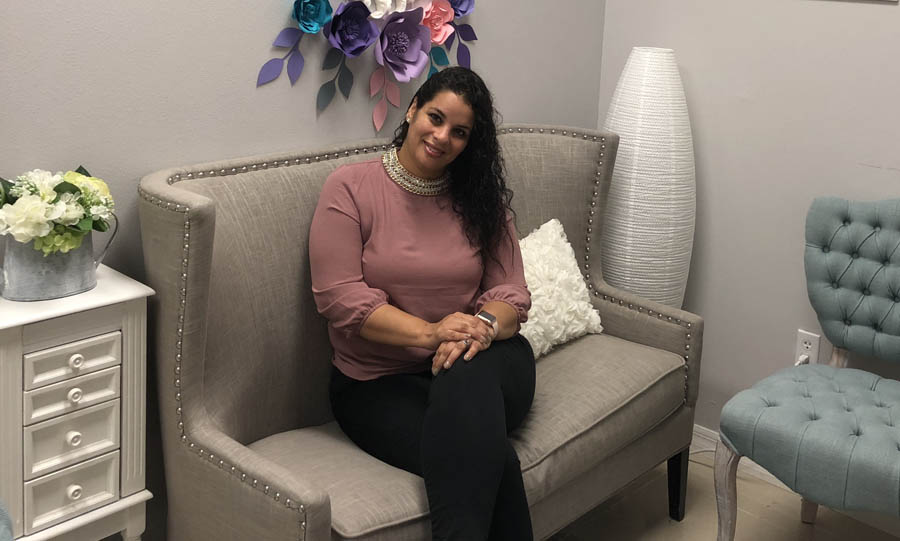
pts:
[379, 115]
[463, 58]
[392, 93]
[345, 81]
[449, 42]
[376, 81]
[466, 32]
[270, 71]
[332, 59]
[439, 56]
[325, 95]
[287, 38]
[383, 88]
[295, 66]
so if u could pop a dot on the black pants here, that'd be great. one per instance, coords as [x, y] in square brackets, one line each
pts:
[452, 430]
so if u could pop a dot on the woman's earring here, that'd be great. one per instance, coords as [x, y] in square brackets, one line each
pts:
[407, 119]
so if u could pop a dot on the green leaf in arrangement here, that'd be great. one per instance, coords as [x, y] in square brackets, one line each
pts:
[101, 226]
[66, 187]
[83, 171]
[85, 224]
[5, 196]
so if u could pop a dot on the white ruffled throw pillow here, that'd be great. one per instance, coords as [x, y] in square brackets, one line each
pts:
[560, 303]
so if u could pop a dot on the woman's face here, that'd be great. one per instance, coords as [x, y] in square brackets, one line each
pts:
[438, 132]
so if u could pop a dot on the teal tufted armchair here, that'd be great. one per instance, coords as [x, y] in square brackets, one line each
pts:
[830, 433]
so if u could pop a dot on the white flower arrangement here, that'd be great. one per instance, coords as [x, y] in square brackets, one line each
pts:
[55, 211]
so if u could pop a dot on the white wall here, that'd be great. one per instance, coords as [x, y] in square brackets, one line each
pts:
[788, 101]
[126, 88]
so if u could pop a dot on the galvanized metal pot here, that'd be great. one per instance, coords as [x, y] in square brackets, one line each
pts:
[29, 276]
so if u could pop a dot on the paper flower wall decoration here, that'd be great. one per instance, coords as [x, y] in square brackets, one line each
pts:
[407, 38]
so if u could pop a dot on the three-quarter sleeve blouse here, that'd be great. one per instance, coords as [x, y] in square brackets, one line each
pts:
[373, 243]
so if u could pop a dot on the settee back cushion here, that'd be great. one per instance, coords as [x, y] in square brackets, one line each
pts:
[268, 356]
[555, 176]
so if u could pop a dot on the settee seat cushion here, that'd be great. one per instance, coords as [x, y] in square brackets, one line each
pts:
[829, 434]
[594, 396]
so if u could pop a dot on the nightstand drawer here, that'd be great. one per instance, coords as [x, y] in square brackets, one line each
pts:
[59, 442]
[73, 359]
[71, 395]
[71, 492]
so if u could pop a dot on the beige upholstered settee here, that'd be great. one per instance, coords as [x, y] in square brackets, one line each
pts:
[242, 358]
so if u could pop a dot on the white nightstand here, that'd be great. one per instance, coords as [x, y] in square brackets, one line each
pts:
[72, 412]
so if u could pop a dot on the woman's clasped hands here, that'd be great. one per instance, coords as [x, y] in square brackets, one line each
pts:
[458, 335]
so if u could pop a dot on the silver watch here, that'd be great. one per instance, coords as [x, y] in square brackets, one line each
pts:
[490, 319]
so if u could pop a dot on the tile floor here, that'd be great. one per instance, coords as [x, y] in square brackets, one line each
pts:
[765, 512]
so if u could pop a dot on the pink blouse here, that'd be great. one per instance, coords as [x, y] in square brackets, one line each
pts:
[373, 243]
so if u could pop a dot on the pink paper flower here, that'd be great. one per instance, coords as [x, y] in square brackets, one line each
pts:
[437, 16]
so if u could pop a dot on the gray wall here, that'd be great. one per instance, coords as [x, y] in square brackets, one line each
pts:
[788, 101]
[126, 88]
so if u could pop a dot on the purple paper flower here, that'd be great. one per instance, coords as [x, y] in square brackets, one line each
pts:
[311, 15]
[350, 30]
[462, 7]
[404, 44]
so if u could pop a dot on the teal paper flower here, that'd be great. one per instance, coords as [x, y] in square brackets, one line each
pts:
[311, 15]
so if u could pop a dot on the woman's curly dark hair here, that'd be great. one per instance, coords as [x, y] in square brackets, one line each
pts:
[477, 182]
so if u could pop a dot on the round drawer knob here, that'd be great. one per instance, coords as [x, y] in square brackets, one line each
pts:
[73, 438]
[73, 492]
[75, 395]
[76, 362]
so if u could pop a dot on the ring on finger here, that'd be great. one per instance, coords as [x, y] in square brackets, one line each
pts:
[466, 342]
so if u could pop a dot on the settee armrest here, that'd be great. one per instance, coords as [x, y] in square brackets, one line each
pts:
[245, 496]
[636, 319]
[217, 488]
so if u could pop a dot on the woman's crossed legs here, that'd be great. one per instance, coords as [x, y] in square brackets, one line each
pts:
[452, 430]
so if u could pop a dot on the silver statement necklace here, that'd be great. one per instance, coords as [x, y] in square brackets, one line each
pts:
[411, 182]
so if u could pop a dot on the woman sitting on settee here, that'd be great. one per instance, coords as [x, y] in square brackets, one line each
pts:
[416, 265]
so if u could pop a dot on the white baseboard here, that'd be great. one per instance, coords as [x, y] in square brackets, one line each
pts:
[706, 440]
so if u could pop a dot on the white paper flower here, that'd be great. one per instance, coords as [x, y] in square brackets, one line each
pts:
[43, 181]
[29, 217]
[380, 8]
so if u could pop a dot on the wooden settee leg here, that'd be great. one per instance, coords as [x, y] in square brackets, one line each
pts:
[808, 511]
[677, 474]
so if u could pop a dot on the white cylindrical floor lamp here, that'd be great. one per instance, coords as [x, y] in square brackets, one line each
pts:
[649, 228]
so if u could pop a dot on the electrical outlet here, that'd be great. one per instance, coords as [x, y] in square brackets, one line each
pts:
[807, 345]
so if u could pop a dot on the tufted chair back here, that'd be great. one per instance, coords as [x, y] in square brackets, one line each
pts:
[852, 262]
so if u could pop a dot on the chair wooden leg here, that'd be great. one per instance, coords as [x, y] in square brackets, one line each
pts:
[839, 357]
[726, 490]
[808, 511]
[677, 468]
